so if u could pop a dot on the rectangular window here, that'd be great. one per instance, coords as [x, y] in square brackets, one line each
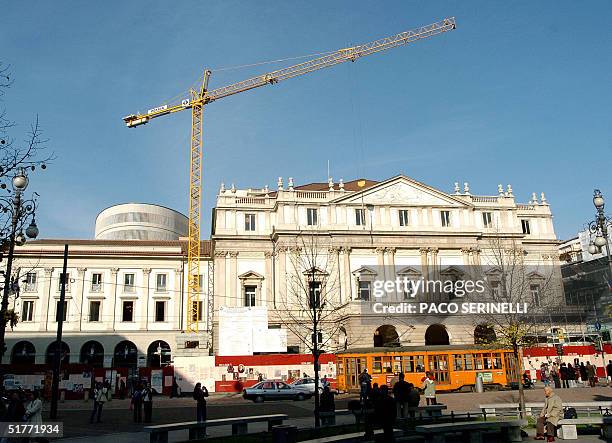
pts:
[377, 365]
[160, 282]
[487, 219]
[458, 362]
[364, 290]
[535, 294]
[414, 363]
[30, 282]
[96, 282]
[525, 226]
[160, 311]
[445, 218]
[94, 310]
[469, 362]
[314, 294]
[360, 217]
[27, 310]
[59, 282]
[58, 307]
[200, 282]
[198, 311]
[312, 216]
[249, 295]
[477, 361]
[249, 222]
[495, 287]
[128, 283]
[128, 311]
[403, 217]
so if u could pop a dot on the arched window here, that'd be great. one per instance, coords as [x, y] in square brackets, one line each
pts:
[436, 335]
[23, 353]
[64, 353]
[158, 354]
[386, 335]
[125, 355]
[92, 353]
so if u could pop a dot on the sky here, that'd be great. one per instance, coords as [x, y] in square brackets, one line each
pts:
[519, 94]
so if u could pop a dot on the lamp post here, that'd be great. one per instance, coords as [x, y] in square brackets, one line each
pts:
[599, 229]
[21, 211]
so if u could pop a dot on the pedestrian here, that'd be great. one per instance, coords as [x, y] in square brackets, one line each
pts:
[15, 410]
[571, 375]
[384, 413]
[199, 395]
[374, 392]
[122, 389]
[609, 373]
[147, 402]
[550, 415]
[583, 373]
[590, 373]
[414, 397]
[33, 410]
[365, 381]
[554, 373]
[174, 391]
[327, 405]
[429, 389]
[137, 403]
[400, 394]
[544, 374]
[563, 375]
[102, 394]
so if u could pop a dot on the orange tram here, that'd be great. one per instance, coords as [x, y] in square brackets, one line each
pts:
[455, 367]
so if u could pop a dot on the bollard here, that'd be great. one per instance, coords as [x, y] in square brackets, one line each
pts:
[284, 434]
[478, 385]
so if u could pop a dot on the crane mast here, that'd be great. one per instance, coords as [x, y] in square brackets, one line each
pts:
[196, 101]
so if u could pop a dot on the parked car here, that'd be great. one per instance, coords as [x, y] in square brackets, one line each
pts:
[274, 390]
[307, 384]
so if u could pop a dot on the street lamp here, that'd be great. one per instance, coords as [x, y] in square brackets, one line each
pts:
[20, 211]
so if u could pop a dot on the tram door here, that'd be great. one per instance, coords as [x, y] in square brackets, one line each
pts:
[511, 367]
[354, 366]
[438, 365]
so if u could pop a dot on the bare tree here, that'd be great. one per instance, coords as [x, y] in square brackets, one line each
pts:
[520, 283]
[312, 310]
[17, 154]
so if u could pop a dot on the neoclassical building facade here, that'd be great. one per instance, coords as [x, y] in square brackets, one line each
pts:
[394, 227]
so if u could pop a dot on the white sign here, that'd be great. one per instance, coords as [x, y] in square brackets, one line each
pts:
[243, 331]
[157, 380]
[159, 108]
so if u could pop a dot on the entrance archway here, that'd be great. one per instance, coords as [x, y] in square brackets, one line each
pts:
[158, 354]
[436, 335]
[23, 353]
[92, 353]
[126, 355]
[385, 336]
[484, 334]
[64, 353]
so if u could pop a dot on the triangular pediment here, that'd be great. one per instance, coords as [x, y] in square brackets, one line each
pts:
[363, 271]
[250, 275]
[402, 190]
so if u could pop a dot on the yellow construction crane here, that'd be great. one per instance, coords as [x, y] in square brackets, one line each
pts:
[197, 99]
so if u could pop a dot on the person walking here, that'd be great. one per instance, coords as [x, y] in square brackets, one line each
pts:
[583, 373]
[147, 402]
[33, 410]
[95, 392]
[563, 375]
[609, 373]
[414, 398]
[550, 415]
[590, 373]
[554, 373]
[137, 403]
[199, 395]
[365, 384]
[544, 374]
[327, 405]
[429, 389]
[15, 410]
[122, 389]
[571, 375]
[400, 394]
[384, 413]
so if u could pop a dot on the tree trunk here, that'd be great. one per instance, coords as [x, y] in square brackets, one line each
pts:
[518, 354]
[316, 393]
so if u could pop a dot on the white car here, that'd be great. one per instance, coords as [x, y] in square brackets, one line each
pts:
[307, 384]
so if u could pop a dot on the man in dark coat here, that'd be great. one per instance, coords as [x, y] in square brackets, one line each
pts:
[400, 394]
[384, 412]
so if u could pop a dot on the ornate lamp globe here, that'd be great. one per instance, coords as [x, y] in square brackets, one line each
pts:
[32, 230]
[20, 239]
[599, 241]
[593, 249]
[598, 201]
[20, 181]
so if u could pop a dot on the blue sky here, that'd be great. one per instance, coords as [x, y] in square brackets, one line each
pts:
[520, 93]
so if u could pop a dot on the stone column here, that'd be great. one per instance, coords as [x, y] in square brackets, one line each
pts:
[80, 297]
[391, 270]
[45, 307]
[220, 290]
[114, 272]
[380, 262]
[348, 283]
[425, 267]
[233, 275]
[268, 281]
[434, 272]
[174, 316]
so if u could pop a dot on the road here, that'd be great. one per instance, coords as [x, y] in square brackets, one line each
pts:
[117, 417]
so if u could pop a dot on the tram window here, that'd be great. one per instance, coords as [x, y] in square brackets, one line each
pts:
[477, 361]
[469, 362]
[377, 365]
[420, 363]
[458, 359]
[397, 364]
[497, 362]
[387, 365]
[340, 367]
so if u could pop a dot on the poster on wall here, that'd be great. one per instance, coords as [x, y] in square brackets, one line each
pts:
[157, 380]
